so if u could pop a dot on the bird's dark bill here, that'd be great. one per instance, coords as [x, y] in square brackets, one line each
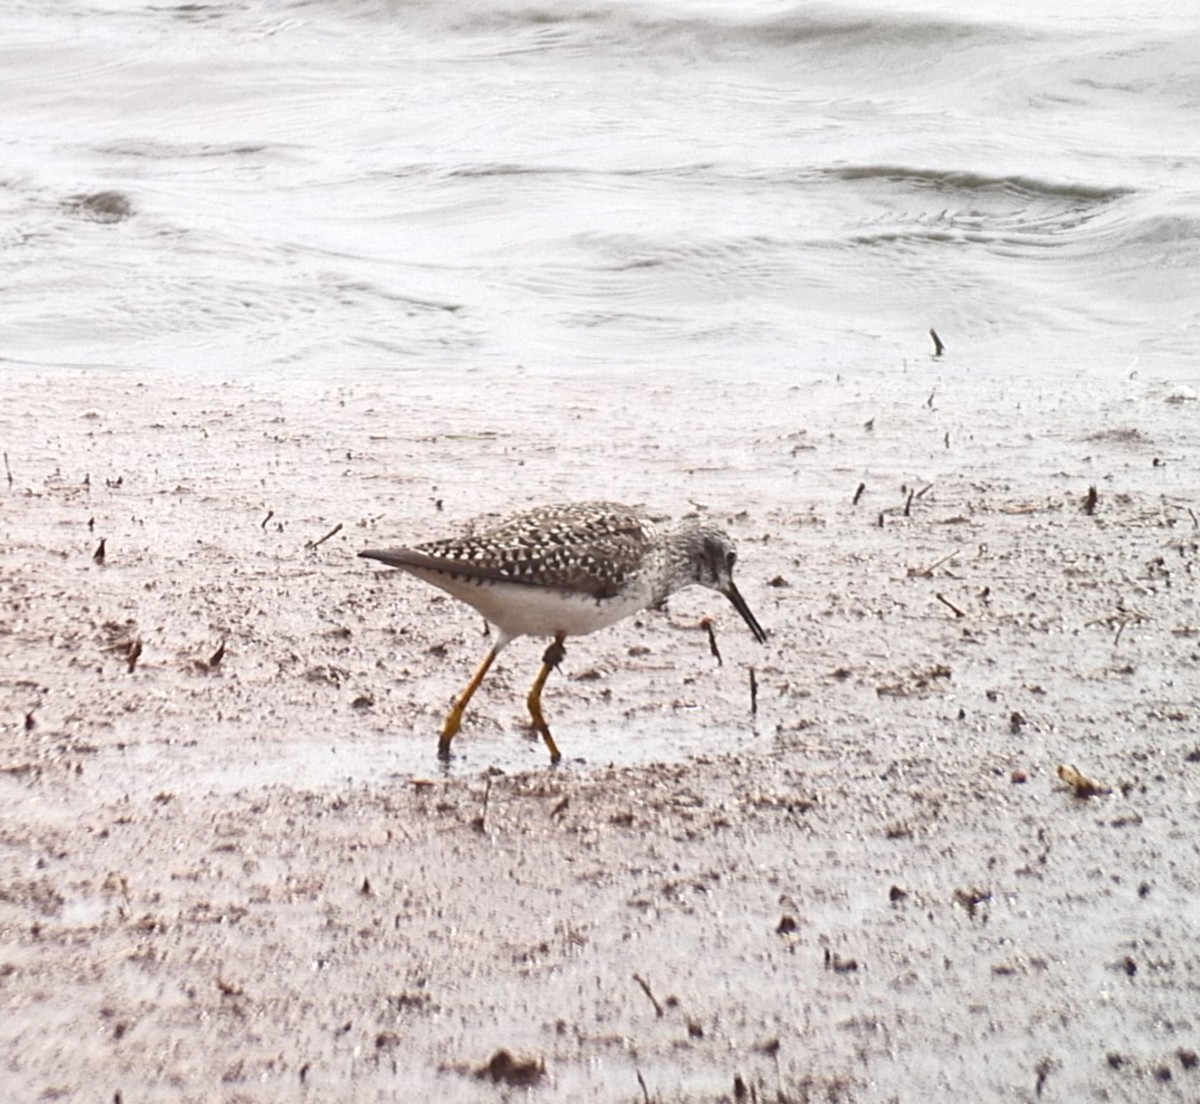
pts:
[739, 604]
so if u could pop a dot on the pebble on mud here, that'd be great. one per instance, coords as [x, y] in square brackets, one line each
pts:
[502, 1066]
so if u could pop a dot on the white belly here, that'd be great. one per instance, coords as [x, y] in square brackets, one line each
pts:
[539, 611]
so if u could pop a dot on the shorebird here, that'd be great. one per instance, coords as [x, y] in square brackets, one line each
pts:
[566, 570]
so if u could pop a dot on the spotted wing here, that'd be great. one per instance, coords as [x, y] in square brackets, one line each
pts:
[591, 548]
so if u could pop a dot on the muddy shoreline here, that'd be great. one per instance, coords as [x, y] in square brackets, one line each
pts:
[248, 879]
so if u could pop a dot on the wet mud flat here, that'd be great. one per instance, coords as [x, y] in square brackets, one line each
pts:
[950, 853]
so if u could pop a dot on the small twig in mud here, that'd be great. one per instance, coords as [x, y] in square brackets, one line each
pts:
[135, 653]
[8, 470]
[98, 555]
[869, 424]
[1043, 1070]
[642, 1082]
[929, 401]
[332, 532]
[908, 503]
[263, 524]
[480, 822]
[91, 525]
[938, 347]
[1121, 629]
[858, 494]
[1121, 619]
[950, 605]
[924, 490]
[971, 897]
[1089, 503]
[946, 439]
[838, 964]
[118, 883]
[658, 1008]
[706, 623]
[880, 523]
[1195, 522]
[229, 988]
[214, 660]
[927, 572]
[1082, 787]
[753, 693]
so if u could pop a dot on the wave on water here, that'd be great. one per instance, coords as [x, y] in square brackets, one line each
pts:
[659, 28]
[1121, 229]
[961, 205]
[296, 181]
[956, 181]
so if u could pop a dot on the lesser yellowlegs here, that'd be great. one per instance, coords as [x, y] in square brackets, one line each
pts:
[567, 570]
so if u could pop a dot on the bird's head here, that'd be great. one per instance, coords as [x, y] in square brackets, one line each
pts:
[710, 555]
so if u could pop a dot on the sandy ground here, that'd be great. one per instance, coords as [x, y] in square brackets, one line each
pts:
[246, 878]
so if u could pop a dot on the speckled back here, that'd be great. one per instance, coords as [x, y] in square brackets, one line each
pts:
[589, 547]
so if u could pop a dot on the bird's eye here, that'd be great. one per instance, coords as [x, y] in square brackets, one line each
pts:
[730, 559]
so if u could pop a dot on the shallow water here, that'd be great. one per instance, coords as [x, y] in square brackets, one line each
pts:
[335, 187]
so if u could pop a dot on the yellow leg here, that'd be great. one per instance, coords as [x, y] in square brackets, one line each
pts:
[455, 716]
[552, 658]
